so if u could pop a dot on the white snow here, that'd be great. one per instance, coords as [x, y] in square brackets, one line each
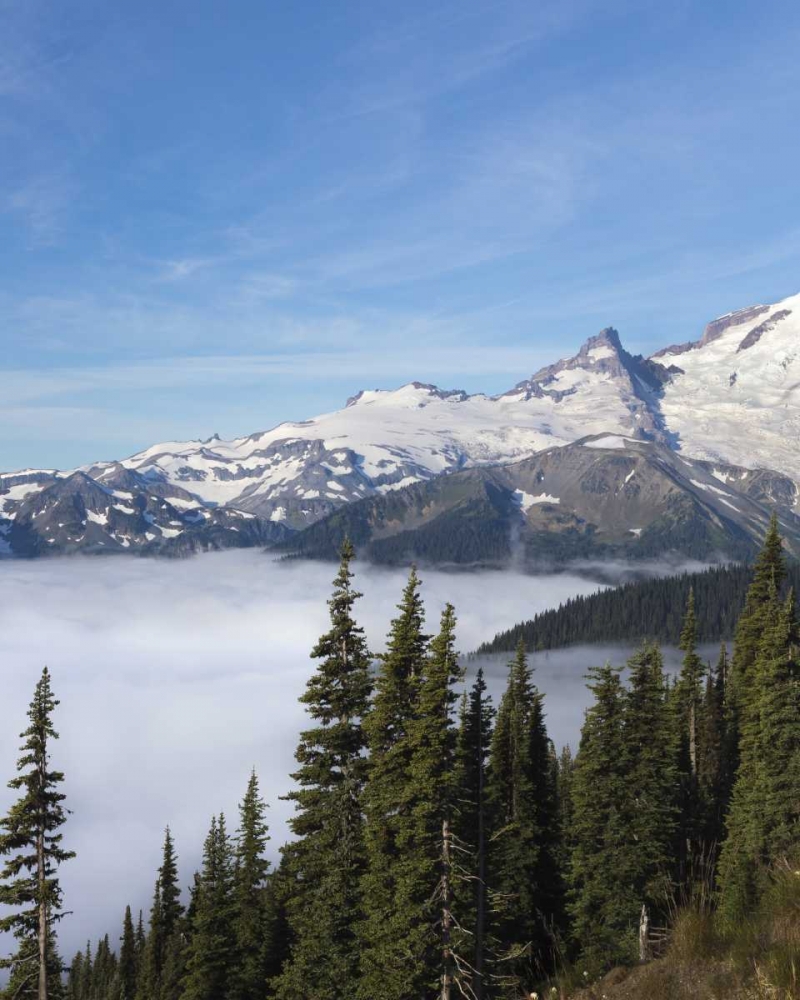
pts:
[709, 488]
[754, 421]
[598, 353]
[97, 518]
[636, 531]
[279, 514]
[630, 475]
[412, 431]
[611, 441]
[528, 500]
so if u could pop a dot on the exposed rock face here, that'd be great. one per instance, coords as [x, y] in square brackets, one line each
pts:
[758, 332]
[605, 496]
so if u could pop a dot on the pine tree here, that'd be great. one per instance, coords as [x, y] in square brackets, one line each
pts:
[566, 806]
[141, 942]
[471, 820]
[712, 765]
[327, 861]
[212, 946]
[602, 898]
[523, 870]
[105, 970]
[128, 959]
[389, 968]
[249, 975]
[688, 698]
[764, 817]
[31, 842]
[769, 573]
[651, 785]
[161, 965]
[426, 844]
[75, 978]
[87, 973]
[780, 728]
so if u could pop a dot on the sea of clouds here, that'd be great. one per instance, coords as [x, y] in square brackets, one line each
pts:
[178, 677]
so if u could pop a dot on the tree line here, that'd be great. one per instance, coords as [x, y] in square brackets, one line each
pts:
[442, 847]
[641, 609]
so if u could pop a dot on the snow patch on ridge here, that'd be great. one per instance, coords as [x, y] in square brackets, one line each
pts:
[527, 500]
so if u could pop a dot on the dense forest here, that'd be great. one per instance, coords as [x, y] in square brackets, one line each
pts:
[444, 848]
[642, 610]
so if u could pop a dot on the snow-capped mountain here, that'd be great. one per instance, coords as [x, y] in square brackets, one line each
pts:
[736, 397]
[733, 397]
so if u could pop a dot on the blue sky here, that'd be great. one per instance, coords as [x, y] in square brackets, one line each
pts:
[214, 217]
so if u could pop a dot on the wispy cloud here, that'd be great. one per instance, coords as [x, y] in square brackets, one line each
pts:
[42, 203]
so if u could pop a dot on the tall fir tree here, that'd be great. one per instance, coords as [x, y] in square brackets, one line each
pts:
[31, 842]
[429, 867]
[212, 953]
[128, 958]
[769, 573]
[523, 869]
[601, 900]
[688, 698]
[651, 787]
[472, 822]
[712, 766]
[326, 863]
[566, 807]
[764, 817]
[248, 979]
[389, 969]
[162, 961]
[780, 728]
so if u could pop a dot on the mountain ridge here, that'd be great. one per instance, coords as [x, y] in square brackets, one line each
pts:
[731, 397]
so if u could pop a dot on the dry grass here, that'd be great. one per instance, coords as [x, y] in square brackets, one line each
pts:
[758, 959]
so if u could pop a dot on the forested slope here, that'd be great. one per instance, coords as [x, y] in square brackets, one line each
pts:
[644, 609]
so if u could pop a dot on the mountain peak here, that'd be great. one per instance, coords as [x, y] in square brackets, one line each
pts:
[608, 337]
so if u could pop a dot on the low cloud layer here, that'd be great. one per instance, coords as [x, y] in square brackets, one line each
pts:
[176, 678]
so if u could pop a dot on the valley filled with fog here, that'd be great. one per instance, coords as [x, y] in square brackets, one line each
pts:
[178, 677]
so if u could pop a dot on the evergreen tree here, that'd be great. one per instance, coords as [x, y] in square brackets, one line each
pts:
[602, 900]
[768, 575]
[30, 840]
[161, 965]
[75, 978]
[689, 701]
[426, 844]
[327, 861]
[523, 864]
[277, 935]
[105, 970]
[471, 821]
[764, 817]
[566, 806]
[650, 792]
[389, 967]
[212, 945]
[87, 973]
[249, 976]
[141, 942]
[780, 728]
[712, 765]
[128, 958]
